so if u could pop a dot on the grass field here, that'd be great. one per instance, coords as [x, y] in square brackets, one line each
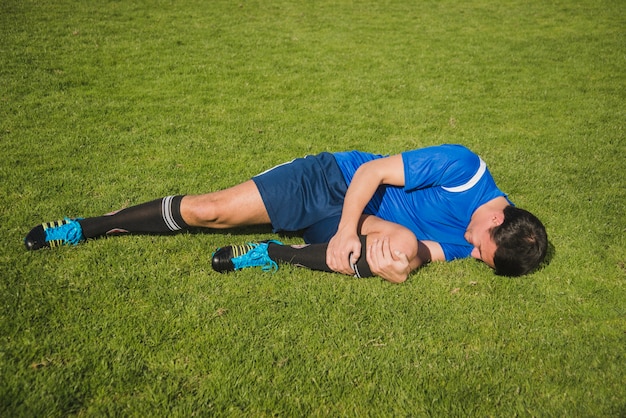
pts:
[112, 103]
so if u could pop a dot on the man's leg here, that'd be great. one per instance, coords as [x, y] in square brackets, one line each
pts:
[237, 206]
[267, 254]
[314, 256]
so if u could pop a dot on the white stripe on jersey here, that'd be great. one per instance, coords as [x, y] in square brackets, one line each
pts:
[472, 182]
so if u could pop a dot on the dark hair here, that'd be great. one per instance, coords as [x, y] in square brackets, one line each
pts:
[521, 243]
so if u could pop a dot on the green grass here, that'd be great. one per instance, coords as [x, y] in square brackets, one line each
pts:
[108, 104]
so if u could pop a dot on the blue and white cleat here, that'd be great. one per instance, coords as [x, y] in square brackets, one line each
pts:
[54, 234]
[237, 257]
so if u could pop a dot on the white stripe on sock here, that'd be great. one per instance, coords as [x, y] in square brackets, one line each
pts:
[168, 218]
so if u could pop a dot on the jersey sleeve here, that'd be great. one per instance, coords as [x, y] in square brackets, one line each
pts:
[443, 165]
[454, 251]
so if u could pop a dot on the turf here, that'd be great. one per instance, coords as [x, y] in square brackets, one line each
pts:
[109, 104]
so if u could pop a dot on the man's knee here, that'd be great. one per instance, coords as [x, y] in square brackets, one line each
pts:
[199, 210]
[400, 239]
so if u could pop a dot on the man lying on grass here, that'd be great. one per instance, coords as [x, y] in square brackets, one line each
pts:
[366, 215]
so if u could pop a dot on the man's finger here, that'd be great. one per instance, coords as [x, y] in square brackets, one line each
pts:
[385, 248]
[400, 255]
[354, 257]
[372, 258]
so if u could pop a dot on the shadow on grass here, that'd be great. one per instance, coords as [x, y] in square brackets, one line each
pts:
[246, 230]
[550, 254]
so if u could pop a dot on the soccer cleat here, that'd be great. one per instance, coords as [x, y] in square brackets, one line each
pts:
[237, 257]
[54, 234]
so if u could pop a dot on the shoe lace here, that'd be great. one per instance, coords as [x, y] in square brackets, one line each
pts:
[256, 257]
[70, 232]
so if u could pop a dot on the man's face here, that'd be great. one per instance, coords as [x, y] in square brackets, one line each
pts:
[478, 234]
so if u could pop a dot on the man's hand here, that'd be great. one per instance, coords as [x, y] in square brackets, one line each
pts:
[344, 250]
[393, 266]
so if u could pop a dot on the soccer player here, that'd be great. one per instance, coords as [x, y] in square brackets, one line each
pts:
[382, 215]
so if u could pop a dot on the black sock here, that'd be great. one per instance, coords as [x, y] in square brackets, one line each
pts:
[157, 217]
[313, 257]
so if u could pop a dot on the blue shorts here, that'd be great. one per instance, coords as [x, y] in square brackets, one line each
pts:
[306, 195]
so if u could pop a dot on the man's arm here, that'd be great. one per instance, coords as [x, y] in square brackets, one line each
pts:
[344, 248]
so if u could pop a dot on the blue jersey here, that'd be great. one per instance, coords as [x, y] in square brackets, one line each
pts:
[444, 185]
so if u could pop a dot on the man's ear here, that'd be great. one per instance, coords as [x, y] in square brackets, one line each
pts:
[497, 218]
